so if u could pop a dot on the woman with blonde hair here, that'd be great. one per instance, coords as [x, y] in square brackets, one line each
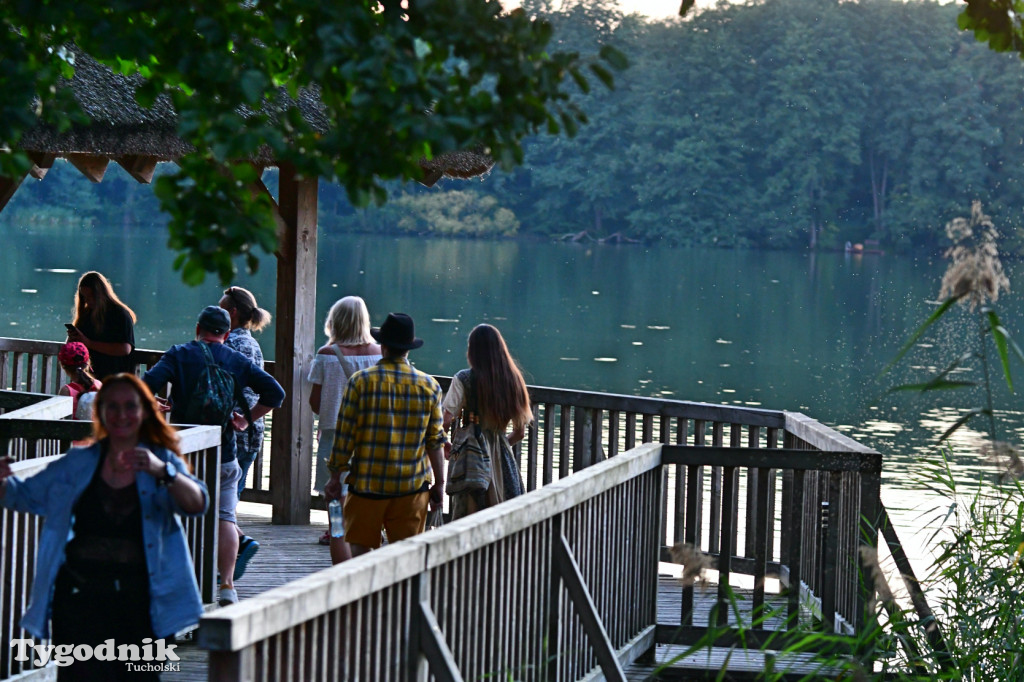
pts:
[349, 348]
[104, 325]
[113, 562]
[492, 393]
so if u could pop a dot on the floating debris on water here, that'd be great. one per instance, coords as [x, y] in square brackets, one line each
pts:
[444, 320]
[725, 364]
[638, 343]
[59, 271]
[30, 291]
[596, 293]
[606, 359]
[569, 359]
[658, 327]
[628, 326]
[728, 390]
[723, 341]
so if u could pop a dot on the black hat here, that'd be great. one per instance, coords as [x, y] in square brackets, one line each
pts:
[214, 319]
[398, 332]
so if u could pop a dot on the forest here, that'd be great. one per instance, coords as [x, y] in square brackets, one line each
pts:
[777, 124]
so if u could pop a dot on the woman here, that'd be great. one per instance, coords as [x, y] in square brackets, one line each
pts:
[492, 391]
[349, 348]
[74, 360]
[246, 318]
[113, 561]
[104, 325]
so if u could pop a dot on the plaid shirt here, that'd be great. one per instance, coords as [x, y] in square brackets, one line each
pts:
[390, 417]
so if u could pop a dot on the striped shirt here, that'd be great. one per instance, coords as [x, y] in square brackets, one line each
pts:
[390, 417]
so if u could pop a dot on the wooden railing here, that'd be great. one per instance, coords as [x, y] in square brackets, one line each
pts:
[558, 584]
[547, 586]
[31, 440]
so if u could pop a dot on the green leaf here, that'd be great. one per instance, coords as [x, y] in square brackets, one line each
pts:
[963, 420]
[604, 75]
[253, 83]
[934, 385]
[1003, 343]
[614, 57]
[932, 319]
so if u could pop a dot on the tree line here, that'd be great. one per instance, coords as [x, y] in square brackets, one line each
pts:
[772, 124]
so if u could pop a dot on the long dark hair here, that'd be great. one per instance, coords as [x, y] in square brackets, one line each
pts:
[154, 429]
[501, 393]
[104, 296]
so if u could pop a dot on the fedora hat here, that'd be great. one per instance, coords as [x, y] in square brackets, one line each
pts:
[398, 331]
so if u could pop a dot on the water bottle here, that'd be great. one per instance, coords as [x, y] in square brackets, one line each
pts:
[334, 513]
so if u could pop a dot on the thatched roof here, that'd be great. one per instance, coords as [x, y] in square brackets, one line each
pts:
[119, 127]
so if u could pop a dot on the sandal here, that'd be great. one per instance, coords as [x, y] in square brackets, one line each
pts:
[325, 539]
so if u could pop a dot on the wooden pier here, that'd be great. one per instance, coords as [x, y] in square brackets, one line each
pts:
[561, 583]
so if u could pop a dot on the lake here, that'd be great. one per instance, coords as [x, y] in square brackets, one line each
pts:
[778, 330]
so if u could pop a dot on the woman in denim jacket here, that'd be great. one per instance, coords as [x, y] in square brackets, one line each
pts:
[113, 561]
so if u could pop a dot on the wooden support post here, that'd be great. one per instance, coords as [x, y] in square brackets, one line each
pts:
[8, 186]
[569, 572]
[139, 167]
[41, 163]
[90, 165]
[291, 444]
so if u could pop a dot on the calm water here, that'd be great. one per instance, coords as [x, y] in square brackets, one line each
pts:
[790, 331]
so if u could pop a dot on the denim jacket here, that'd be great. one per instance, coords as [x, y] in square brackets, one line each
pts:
[53, 492]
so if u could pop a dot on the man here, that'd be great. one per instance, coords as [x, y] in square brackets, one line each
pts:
[182, 366]
[388, 435]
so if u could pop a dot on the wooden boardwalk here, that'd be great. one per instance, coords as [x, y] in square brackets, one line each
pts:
[291, 552]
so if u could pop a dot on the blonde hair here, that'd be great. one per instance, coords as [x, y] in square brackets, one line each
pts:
[250, 316]
[348, 322]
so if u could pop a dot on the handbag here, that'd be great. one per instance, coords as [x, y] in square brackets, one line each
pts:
[469, 466]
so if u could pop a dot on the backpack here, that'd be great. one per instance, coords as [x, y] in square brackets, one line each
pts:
[214, 396]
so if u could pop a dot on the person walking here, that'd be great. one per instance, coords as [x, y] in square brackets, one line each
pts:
[104, 325]
[184, 367]
[349, 348]
[113, 561]
[491, 392]
[388, 444]
[246, 317]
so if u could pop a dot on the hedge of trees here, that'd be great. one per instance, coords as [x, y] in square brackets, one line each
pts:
[773, 124]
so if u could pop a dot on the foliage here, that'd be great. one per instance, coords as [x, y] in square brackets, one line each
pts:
[731, 128]
[397, 82]
[456, 213]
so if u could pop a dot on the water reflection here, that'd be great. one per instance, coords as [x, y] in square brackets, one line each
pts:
[779, 330]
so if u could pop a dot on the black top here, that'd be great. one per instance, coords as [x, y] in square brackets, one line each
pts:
[117, 328]
[107, 532]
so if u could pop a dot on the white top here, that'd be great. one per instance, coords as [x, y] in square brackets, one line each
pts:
[332, 373]
[84, 408]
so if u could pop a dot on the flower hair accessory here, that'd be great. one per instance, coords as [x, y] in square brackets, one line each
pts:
[73, 354]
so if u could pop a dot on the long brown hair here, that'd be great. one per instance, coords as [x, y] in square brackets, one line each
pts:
[154, 430]
[104, 296]
[250, 315]
[501, 393]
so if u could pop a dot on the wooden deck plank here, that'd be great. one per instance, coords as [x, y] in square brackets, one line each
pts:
[286, 553]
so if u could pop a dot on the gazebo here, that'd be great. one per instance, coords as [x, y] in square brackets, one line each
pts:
[137, 139]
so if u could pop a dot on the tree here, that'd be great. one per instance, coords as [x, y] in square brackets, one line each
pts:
[392, 82]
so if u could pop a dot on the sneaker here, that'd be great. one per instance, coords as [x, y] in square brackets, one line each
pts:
[228, 596]
[325, 539]
[247, 548]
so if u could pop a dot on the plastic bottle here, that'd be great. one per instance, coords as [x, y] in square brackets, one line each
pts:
[334, 513]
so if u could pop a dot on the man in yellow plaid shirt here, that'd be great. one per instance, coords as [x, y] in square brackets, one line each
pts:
[388, 435]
